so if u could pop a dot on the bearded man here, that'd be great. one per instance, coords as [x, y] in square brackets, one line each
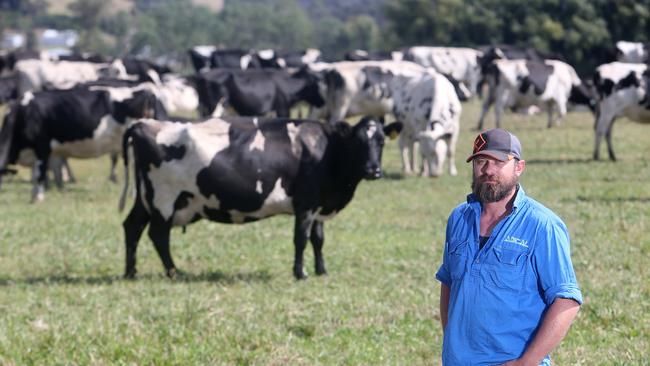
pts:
[508, 290]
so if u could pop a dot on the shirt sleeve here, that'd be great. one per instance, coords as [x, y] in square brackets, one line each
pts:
[443, 275]
[552, 258]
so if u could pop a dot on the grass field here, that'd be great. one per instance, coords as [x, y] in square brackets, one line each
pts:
[62, 299]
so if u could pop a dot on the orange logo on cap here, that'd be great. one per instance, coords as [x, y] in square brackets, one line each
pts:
[479, 143]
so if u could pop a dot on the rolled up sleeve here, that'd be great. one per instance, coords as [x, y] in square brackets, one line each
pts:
[554, 267]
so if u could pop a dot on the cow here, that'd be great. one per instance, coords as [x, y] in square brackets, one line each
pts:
[244, 169]
[622, 89]
[362, 55]
[297, 59]
[458, 63]
[37, 75]
[81, 123]
[144, 70]
[418, 97]
[634, 52]
[256, 92]
[200, 57]
[522, 83]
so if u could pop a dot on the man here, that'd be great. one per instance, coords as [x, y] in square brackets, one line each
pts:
[508, 289]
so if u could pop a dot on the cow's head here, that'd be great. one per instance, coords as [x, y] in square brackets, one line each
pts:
[142, 104]
[366, 141]
[311, 92]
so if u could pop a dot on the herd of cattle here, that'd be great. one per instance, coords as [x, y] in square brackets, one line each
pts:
[236, 164]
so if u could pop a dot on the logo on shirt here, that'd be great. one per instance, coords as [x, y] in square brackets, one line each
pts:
[514, 240]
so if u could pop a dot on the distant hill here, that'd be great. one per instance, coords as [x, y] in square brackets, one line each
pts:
[344, 9]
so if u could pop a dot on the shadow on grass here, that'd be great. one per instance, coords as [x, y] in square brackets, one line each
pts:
[182, 277]
[613, 199]
[394, 176]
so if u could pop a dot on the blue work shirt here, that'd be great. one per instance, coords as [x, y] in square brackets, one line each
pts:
[499, 293]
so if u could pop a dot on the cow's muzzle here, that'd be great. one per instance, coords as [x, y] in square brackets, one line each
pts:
[372, 174]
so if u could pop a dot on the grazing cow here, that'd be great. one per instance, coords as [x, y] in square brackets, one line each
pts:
[634, 52]
[81, 123]
[461, 64]
[623, 89]
[521, 83]
[235, 59]
[419, 97]
[238, 170]
[256, 92]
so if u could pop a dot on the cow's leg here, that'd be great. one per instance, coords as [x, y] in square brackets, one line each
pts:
[500, 105]
[451, 153]
[406, 151]
[486, 107]
[56, 166]
[608, 138]
[440, 148]
[549, 107]
[134, 225]
[112, 175]
[301, 232]
[317, 238]
[66, 172]
[40, 174]
[603, 123]
[159, 232]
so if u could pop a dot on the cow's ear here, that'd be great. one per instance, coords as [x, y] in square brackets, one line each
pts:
[393, 129]
[343, 128]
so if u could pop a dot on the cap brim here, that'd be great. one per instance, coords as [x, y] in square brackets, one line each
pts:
[499, 155]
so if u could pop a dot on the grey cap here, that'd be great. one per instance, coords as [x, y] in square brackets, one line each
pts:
[497, 143]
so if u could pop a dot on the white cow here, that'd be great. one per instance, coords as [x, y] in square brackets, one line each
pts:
[422, 99]
[622, 90]
[37, 75]
[460, 63]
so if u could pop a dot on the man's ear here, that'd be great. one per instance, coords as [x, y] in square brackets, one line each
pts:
[520, 166]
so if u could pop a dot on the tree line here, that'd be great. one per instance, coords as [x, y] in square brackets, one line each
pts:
[583, 31]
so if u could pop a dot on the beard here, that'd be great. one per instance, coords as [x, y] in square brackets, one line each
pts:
[493, 189]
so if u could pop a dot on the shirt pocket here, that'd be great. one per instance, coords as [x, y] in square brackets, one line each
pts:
[458, 258]
[505, 267]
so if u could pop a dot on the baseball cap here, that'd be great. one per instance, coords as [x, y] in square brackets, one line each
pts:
[498, 144]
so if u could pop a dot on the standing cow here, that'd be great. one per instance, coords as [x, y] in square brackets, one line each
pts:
[239, 169]
[623, 89]
[80, 123]
[419, 97]
[550, 84]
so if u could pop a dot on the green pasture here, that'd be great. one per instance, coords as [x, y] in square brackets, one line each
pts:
[63, 301]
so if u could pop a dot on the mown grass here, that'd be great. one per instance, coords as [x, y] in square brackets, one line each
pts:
[62, 299]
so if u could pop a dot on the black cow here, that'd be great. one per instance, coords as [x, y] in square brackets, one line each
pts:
[81, 123]
[257, 92]
[8, 88]
[239, 170]
[144, 69]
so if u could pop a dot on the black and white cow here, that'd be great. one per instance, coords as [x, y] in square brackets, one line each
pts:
[362, 55]
[459, 63]
[634, 52]
[550, 84]
[419, 97]
[80, 123]
[144, 70]
[299, 59]
[238, 170]
[623, 90]
[256, 92]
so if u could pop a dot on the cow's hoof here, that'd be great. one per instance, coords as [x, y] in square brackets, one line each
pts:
[321, 272]
[130, 274]
[173, 273]
[300, 274]
[112, 178]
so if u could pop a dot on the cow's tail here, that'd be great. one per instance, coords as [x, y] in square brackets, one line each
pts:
[126, 152]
